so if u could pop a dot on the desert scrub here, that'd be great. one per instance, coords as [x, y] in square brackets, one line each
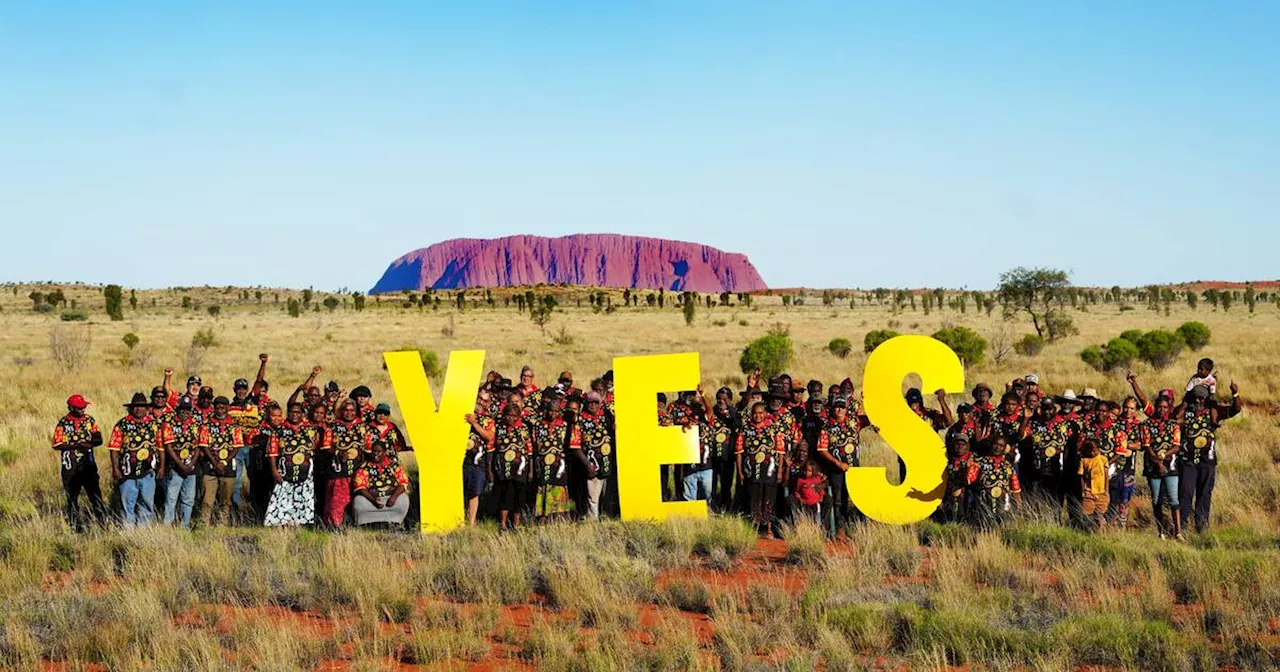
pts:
[806, 543]
[1069, 545]
[897, 545]
[687, 595]
[730, 535]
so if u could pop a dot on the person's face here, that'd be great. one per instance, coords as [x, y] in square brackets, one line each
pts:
[331, 395]
[1009, 405]
[963, 415]
[363, 400]
[184, 414]
[1162, 406]
[815, 408]
[204, 401]
[220, 410]
[797, 396]
[722, 399]
[516, 399]
[138, 412]
[1116, 413]
[834, 391]
[493, 377]
[554, 413]
[193, 389]
[846, 390]
[318, 414]
[158, 400]
[313, 395]
[378, 451]
[982, 396]
[1020, 390]
[1048, 410]
[347, 412]
[275, 415]
[571, 411]
[1088, 404]
[841, 412]
[241, 392]
[295, 414]
[999, 446]
[75, 412]
[962, 447]
[810, 470]
[1033, 398]
[914, 404]
[593, 407]
[758, 414]
[526, 378]
[510, 415]
[1130, 409]
[1203, 371]
[1090, 450]
[482, 402]
[382, 417]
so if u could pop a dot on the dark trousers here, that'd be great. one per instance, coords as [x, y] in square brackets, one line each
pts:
[840, 507]
[722, 484]
[760, 498]
[85, 480]
[1195, 492]
[1043, 490]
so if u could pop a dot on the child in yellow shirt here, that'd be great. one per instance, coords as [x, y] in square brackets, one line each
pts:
[1093, 482]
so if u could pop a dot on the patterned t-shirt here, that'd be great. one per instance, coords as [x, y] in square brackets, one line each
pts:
[380, 478]
[349, 441]
[184, 437]
[79, 431]
[478, 448]
[995, 478]
[139, 443]
[1161, 437]
[762, 448]
[1199, 438]
[551, 440]
[1047, 444]
[513, 452]
[292, 446]
[842, 440]
[720, 428]
[221, 439]
[597, 443]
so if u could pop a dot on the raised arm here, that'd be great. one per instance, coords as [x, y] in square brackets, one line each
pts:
[256, 390]
[1137, 392]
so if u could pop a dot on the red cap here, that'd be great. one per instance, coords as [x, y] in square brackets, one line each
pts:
[77, 401]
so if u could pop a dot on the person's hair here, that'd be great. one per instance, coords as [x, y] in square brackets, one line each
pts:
[1007, 396]
[1205, 363]
[758, 404]
[342, 405]
[1090, 444]
[1129, 399]
[297, 404]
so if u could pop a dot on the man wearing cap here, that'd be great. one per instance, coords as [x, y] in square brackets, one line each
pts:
[1044, 440]
[137, 454]
[1032, 382]
[386, 431]
[1199, 420]
[221, 439]
[203, 407]
[246, 411]
[160, 408]
[181, 447]
[74, 437]
[839, 448]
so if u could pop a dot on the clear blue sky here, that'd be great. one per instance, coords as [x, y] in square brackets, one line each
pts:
[841, 144]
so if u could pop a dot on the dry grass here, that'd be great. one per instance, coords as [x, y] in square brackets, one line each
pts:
[593, 596]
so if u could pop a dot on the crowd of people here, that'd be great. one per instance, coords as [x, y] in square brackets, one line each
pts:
[772, 452]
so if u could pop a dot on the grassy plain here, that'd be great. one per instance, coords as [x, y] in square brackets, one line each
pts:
[678, 596]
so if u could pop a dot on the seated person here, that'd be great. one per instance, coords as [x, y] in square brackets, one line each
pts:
[380, 486]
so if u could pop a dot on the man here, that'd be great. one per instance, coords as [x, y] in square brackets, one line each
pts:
[475, 464]
[597, 443]
[181, 447]
[161, 409]
[204, 403]
[136, 451]
[1006, 422]
[780, 394]
[982, 399]
[761, 456]
[565, 381]
[332, 397]
[939, 420]
[995, 483]
[1199, 420]
[839, 447]
[380, 485]
[262, 483]
[74, 437]
[1044, 439]
[697, 476]
[307, 392]
[1032, 382]
[172, 397]
[814, 388]
[245, 409]
[722, 425]
[958, 497]
[221, 439]
[530, 395]
[349, 440]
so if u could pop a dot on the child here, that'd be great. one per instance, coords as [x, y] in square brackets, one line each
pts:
[1205, 375]
[810, 490]
[957, 497]
[1093, 483]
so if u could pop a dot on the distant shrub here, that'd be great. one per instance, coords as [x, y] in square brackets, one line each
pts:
[1118, 354]
[131, 340]
[1195, 334]
[42, 308]
[1160, 348]
[770, 353]
[562, 337]
[204, 338]
[1029, 345]
[74, 316]
[1093, 356]
[214, 310]
[840, 347]
[967, 343]
[114, 297]
[430, 361]
[875, 337]
[1134, 336]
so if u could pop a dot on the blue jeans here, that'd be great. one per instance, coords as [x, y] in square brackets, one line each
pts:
[1164, 497]
[180, 491]
[138, 495]
[242, 473]
[697, 485]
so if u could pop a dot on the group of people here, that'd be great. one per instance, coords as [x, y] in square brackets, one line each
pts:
[324, 457]
[772, 452]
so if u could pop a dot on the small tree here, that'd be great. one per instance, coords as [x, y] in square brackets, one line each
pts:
[690, 308]
[214, 310]
[967, 343]
[770, 353]
[1192, 299]
[1029, 345]
[131, 340]
[332, 303]
[840, 347]
[357, 301]
[1160, 348]
[186, 302]
[540, 314]
[306, 298]
[1034, 291]
[114, 297]
[1194, 334]
[133, 299]
[1117, 355]
[294, 308]
[875, 337]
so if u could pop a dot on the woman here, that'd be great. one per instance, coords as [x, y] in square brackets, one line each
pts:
[386, 431]
[509, 470]
[996, 482]
[290, 449]
[475, 464]
[380, 485]
[722, 425]
[318, 415]
[761, 456]
[349, 439]
[1161, 441]
[552, 436]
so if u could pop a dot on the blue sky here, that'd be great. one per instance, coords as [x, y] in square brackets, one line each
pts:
[836, 144]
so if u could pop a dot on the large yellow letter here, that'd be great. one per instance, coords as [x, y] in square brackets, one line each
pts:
[439, 439]
[642, 444]
[915, 441]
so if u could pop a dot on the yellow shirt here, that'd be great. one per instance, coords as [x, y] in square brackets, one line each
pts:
[1094, 469]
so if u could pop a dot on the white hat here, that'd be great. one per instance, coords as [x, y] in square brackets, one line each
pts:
[1032, 378]
[1089, 392]
[1069, 394]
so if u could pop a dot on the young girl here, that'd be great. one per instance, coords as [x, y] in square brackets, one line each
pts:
[1093, 483]
[811, 488]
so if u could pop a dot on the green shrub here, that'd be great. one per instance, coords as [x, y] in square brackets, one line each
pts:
[967, 344]
[42, 308]
[1118, 354]
[430, 361]
[1029, 345]
[840, 347]
[131, 340]
[74, 316]
[114, 296]
[204, 338]
[770, 353]
[1134, 336]
[874, 338]
[1160, 348]
[1195, 334]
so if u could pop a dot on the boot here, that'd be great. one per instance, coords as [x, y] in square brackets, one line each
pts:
[1177, 523]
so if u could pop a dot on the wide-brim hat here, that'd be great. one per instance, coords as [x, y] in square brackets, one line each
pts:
[983, 386]
[1089, 393]
[139, 399]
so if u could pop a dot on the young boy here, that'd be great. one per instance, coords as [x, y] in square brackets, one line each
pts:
[811, 488]
[1205, 375]
[1093, 483]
